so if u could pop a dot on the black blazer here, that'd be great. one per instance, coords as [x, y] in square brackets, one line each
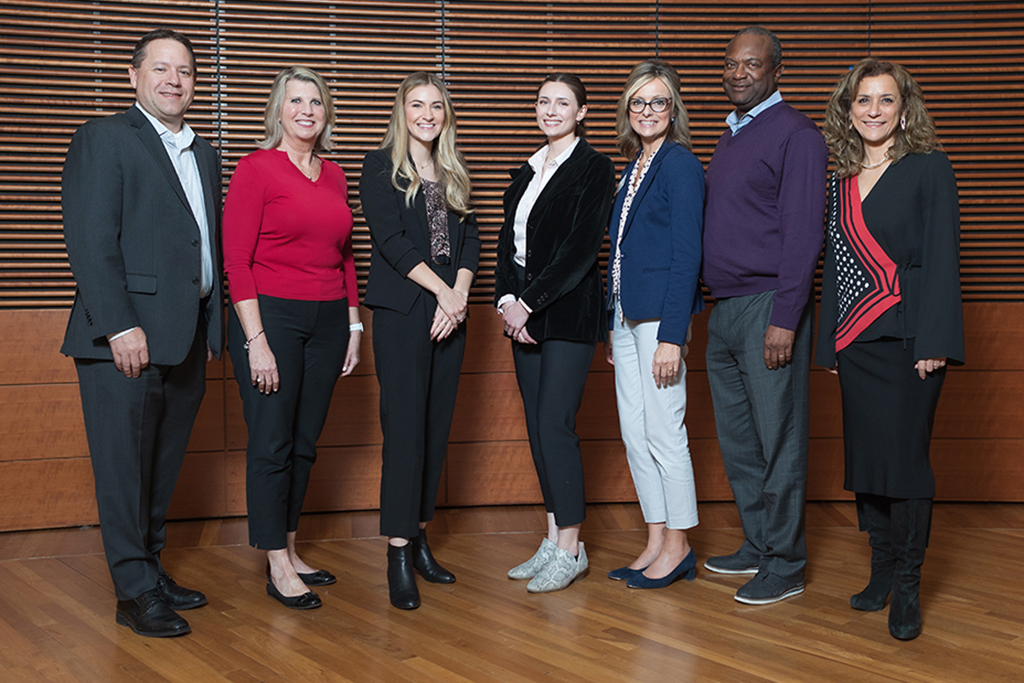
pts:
[133, 242]
[564, 234]
[401, 237]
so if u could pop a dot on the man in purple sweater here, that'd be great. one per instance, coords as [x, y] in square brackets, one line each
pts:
[763, 232]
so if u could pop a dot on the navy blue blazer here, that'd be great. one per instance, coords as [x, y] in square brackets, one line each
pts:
[661, 243]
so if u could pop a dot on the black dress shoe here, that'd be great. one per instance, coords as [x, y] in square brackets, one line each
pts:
[321, 577]
[401, 580]
[177, 597]
[424, 562]
[308, 600]
[149, 615]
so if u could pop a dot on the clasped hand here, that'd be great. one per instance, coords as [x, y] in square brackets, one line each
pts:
[515, 316]
[452, 307]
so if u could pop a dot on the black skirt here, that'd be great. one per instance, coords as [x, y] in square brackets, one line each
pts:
[888, 412]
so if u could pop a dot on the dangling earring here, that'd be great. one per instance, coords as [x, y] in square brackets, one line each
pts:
[672, 120]
[903, 122]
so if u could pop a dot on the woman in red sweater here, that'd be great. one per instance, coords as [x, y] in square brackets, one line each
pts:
[294, 327]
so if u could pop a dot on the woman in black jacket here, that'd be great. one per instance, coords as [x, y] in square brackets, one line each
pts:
[549, 292]
[415, 196]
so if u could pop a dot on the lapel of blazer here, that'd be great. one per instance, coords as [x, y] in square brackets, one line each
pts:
[207, 176]
[155, 146]
[567, 174]
[652, 173]
[521, 178]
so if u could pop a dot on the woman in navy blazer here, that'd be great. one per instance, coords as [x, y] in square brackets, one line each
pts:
[549, 292]
[652, 293]
[415, 196]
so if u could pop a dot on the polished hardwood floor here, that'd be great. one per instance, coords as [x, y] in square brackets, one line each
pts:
[57, 622]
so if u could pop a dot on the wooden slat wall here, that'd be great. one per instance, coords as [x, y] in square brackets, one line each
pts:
[63, 62]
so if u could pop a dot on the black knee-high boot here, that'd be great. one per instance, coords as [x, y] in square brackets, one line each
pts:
[873, 516]
[401, 580]
[910, 527]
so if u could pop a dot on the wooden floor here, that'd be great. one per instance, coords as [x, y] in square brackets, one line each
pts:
[57, 608]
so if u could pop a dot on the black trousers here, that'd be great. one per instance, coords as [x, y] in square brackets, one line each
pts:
[138, 430]
[552, 376]
[419, 380]
[309, 340]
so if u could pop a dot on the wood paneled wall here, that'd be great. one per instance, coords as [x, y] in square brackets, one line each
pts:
[63, 61]
[46, 480]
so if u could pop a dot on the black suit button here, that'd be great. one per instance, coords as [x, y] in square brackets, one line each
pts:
[195, 281]
[195, 243]
[529, 276]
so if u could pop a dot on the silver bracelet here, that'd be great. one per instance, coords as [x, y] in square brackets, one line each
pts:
[251, 340]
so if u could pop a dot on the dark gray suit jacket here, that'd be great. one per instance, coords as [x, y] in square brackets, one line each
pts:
[133, 242]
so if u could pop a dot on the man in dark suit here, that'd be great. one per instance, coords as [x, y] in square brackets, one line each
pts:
[141, 199]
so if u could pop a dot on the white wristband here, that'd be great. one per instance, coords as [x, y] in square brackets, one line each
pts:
[355, 327]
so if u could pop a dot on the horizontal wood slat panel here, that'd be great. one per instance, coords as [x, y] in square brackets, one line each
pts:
[65, 62]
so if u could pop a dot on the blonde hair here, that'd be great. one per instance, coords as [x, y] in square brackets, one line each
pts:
[274, 131]
[452, 174]
[643, 73]
[917, 137]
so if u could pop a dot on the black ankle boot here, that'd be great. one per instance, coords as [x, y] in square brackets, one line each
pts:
[424, 562]
[401, 581]
[873, 515]
[911, 522]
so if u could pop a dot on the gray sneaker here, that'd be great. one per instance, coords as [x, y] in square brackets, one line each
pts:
[562, 570]
[529, 569]
[732, 564]
[765, 588]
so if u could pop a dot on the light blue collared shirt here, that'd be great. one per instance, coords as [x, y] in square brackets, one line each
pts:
[179, 150]
[736, 123]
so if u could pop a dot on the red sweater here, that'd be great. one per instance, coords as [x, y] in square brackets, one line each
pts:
[286, 236]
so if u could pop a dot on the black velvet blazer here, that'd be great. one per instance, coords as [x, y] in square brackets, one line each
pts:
[564, 233]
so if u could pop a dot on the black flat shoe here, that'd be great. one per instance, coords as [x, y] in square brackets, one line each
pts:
[401, 581]
[308, 600]
[423, 561]
[321, 577]
[178, 597]
[148, 615]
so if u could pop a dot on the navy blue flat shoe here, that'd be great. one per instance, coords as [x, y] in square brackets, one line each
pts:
[687, 569]
[624, 573]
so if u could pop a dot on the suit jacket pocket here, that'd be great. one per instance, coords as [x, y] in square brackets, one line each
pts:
[141, 284]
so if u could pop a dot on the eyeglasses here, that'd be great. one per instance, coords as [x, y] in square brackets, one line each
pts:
[657, 105]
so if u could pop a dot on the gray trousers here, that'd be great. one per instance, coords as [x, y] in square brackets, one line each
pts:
[762, 420]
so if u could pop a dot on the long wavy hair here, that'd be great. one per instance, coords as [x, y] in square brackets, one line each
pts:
[452, 174]
[643, 73]
[274, 131]
[916, 137]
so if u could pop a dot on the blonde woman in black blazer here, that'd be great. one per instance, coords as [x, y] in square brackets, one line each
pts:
[415, 196]
[549, 291]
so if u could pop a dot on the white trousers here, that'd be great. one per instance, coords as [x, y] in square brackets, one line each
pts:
[651, 422]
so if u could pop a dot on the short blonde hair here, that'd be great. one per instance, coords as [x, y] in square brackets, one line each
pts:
[642, 74]
[272, 114]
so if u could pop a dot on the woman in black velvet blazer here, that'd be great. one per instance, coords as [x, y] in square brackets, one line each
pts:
[549, 291]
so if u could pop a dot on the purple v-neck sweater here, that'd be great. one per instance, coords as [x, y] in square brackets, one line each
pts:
[764, 211]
